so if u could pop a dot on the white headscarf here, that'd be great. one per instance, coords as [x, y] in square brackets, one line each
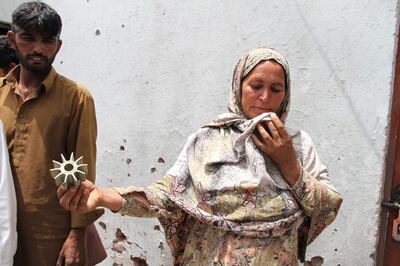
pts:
[245, 65]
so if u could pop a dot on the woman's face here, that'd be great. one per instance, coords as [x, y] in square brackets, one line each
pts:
[263, 89]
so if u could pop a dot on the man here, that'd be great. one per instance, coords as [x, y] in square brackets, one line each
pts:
[8, 58]
[45, 115]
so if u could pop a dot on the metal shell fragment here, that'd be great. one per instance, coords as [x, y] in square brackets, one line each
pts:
[70, 172]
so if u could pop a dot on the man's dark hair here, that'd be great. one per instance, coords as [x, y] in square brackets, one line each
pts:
[7, 54]
[36, 17]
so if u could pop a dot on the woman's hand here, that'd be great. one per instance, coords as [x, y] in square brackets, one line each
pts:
[83, 198]
[278, 146]
[87, 197]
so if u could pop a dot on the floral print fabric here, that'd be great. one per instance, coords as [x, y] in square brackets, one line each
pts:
[249, 217]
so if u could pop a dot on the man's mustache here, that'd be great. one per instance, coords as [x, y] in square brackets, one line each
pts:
[35, 54]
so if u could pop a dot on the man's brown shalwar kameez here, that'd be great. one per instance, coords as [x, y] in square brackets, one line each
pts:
[60, 118]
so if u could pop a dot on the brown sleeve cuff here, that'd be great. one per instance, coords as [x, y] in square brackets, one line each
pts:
[83, 220]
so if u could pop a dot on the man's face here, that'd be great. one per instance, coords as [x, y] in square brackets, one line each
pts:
[35, 51]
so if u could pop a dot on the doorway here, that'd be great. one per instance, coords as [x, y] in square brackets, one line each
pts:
[388, 249]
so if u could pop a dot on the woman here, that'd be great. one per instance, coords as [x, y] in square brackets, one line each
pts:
[243, 185]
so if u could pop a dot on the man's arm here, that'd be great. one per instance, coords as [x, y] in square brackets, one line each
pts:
[81, 140]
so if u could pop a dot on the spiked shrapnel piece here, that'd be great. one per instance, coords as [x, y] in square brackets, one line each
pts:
[70, 172]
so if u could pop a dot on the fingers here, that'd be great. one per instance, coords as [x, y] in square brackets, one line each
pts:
[272, 129]
[84, 199]
[74, 203]
[264, 134]
[61, 190]
[278, 127]
[66, 198]
[70, 261]
[262, 144]
[257, 141]
[60, 260]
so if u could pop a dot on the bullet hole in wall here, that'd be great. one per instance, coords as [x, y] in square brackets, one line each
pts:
[123, 26]
[315, 261]
[156, 227]
[119, 235]
[128, 160]
[61, 62]
[97, 32]
[161, 247]
[153, 170]
[139, 261]
[161, 160]
[129, 174]
[118, 243]
[122, 147]
[103, 225]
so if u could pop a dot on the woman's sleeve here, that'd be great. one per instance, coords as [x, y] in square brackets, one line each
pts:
[157, 196]
[149, 202]
[315, 191]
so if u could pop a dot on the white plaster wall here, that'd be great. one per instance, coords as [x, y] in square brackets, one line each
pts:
[160, 69]
[6, 9]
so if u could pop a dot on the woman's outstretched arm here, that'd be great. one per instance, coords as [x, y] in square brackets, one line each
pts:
[87, 197]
